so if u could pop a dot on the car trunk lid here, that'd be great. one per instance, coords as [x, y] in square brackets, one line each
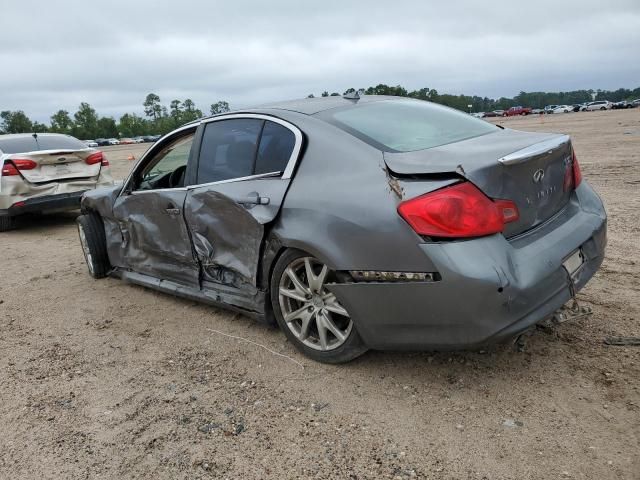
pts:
[529, 169]
[57, 165]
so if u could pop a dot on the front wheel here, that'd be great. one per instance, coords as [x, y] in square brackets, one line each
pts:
[602, 108]
[7, 223]
[94, 244]
[310, 315]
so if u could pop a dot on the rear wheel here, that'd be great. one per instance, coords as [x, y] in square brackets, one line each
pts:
[94, 244]
[311, 317]
[7, 223]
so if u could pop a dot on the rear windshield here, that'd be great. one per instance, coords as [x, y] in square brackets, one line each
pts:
[42, 142]
[406, 125]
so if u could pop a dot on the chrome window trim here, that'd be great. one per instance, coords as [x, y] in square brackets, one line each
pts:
[210, 184]
[286, 174]
[295, 154]
[176, 189]
[233, 180]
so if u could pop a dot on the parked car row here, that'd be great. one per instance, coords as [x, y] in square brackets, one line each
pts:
[626, 104]
[103, 142]
[578, 107]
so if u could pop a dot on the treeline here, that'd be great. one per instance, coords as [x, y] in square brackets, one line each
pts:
[159, 119]
[85, 123]
[485, 104]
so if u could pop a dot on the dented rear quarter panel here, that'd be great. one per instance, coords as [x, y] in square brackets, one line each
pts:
[341, 205]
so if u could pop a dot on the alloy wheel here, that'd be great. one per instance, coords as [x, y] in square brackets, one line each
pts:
[312, 313]
[85, 249]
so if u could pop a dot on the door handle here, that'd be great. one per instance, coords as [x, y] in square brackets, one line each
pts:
[172, 210]
[254, 198]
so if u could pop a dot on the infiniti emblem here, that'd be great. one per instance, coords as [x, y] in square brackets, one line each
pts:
[538, 175]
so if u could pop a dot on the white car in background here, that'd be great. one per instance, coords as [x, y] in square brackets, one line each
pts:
[45, 172]
[561, 109]
[90, 143]
[599, 105]
[113, 141]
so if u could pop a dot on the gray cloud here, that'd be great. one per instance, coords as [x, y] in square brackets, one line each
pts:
[57, 55]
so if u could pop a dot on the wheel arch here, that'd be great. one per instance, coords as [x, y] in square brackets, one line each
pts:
[273, 248]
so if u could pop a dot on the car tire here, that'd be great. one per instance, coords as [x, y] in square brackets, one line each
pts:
[602, 108]
[309, 342]
[7, 223]
[94, 244]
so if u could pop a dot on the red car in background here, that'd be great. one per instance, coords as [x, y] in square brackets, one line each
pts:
[516, 111]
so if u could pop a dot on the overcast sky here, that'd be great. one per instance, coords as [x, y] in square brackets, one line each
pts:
[111, 54]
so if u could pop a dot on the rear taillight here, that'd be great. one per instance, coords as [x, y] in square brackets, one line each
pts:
[97, 157]
[572, 174]
[459, 211]
[12, 167]
[577, 173]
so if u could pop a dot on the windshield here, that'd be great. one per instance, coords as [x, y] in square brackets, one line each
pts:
[406, 125]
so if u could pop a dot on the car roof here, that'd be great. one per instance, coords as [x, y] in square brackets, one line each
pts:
[311, 106]
[306, 106]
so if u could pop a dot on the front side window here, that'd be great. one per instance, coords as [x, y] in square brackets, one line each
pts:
[406, 125]
[168, 166]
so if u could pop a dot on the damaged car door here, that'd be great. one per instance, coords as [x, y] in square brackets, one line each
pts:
[155, 238]
[244, 168]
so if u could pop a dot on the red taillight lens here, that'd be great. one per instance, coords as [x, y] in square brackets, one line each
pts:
[572, 175]
[577, 173]
[97, 157]
[9, 169]
[459, 211]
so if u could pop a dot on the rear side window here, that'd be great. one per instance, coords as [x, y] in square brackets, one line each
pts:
[406, 125]
[228, 149]
[276, 146]
[42, 142]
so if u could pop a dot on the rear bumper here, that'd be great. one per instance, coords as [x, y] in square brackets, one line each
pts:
[491, 289]
[62, 201]
[18, 196]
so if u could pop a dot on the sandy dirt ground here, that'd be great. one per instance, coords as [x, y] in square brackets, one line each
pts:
[100, 379]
